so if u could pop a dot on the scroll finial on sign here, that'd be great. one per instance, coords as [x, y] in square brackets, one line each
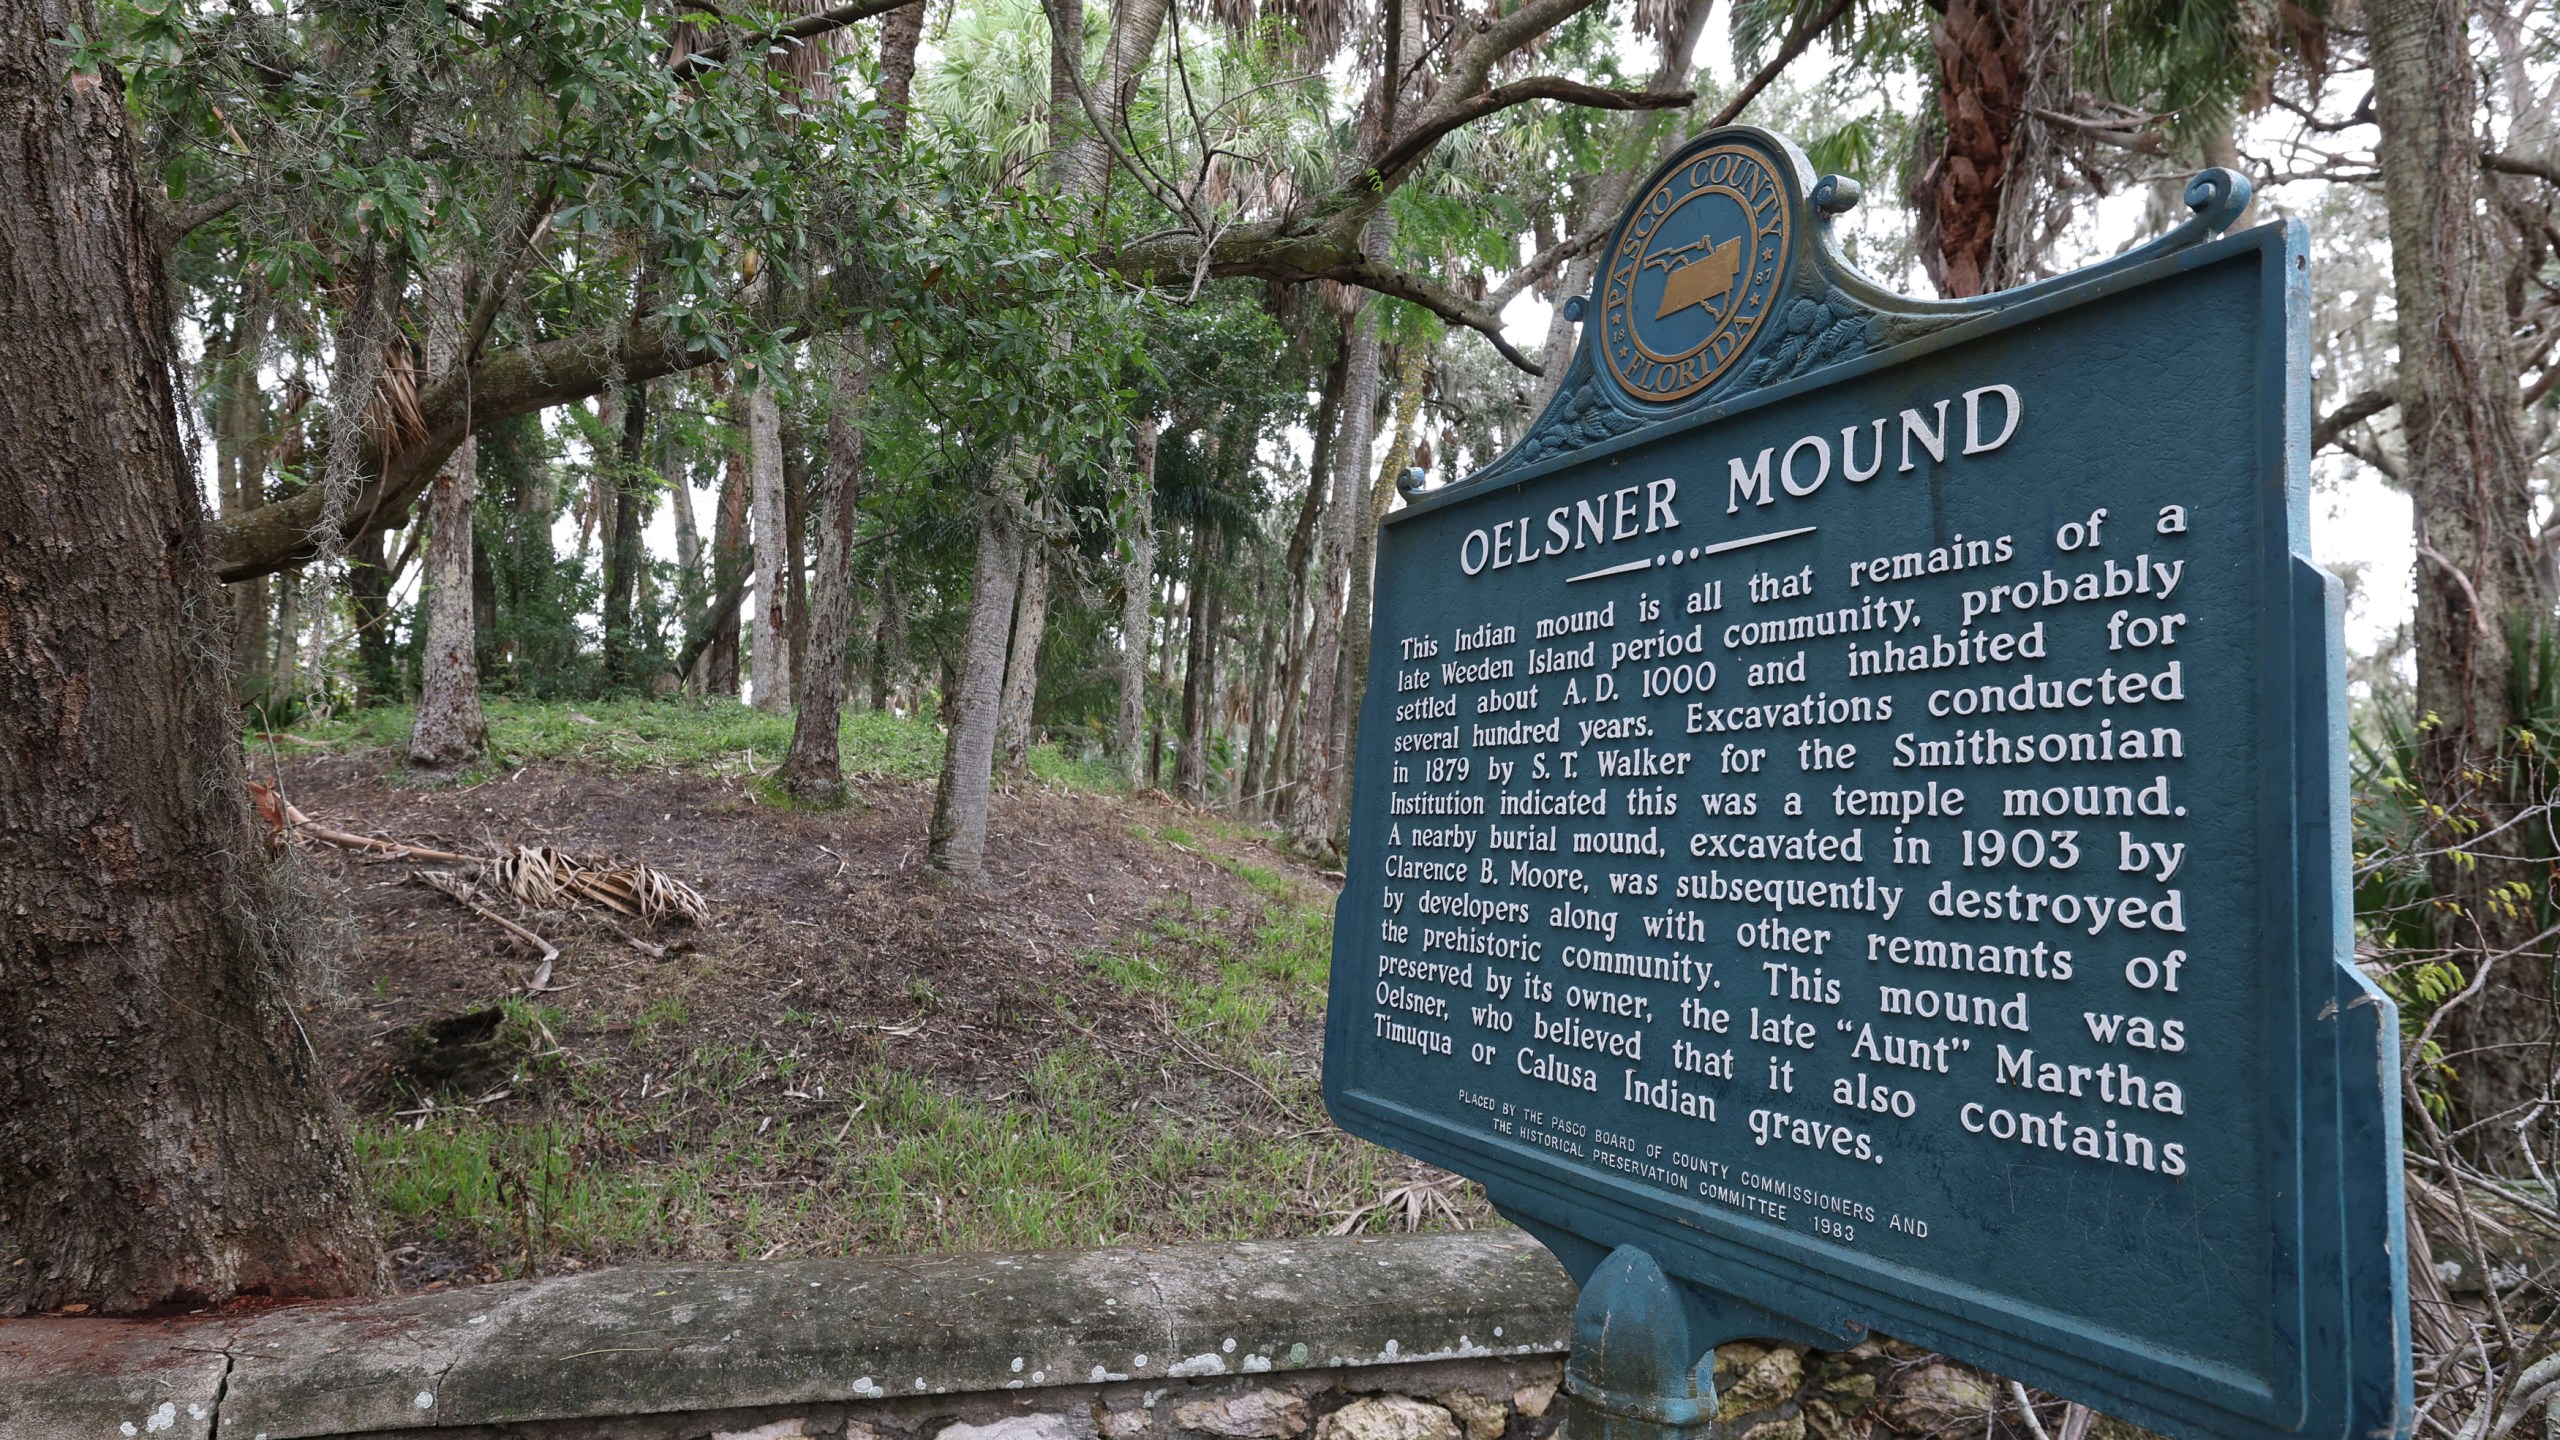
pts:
[1803, 306]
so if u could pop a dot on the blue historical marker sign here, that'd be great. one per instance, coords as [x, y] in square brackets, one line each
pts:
[1850, 811]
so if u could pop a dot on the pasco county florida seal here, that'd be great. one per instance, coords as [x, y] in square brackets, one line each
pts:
[1693, 275]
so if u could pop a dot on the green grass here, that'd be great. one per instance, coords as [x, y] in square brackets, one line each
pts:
[633, 735]
[716, 736]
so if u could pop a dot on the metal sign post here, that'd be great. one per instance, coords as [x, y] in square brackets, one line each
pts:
[1849, 830]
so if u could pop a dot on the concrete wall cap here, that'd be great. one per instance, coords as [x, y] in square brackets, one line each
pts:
[700, 1338]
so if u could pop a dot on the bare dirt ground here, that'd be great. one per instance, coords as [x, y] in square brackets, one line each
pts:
[1116, 1038]
[831, 913]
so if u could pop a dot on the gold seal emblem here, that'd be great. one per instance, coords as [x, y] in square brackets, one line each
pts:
[1694, 273]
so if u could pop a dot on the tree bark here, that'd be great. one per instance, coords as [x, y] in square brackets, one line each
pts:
[2468, 471]
[813, 771]
[1137, 592]
[958, 846]
[449, 732]
[622, 552]
[1022, 661]
[166, 1134]
[771, 656]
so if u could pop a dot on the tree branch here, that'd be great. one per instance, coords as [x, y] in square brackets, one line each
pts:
[2353, 411]
[1786, 55]
[807, 27]
[2506, 163]
[1545, 261]
[1392, 164]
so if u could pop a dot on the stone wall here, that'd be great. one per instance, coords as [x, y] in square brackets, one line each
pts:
[1453, 1337]
[1419, 1337]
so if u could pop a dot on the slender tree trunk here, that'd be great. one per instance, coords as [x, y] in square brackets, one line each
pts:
[1315, 794]
[813, 771]
[622, 552]
[1196, 678]
[671, 468]
[728, 562]
[884, 642]
[449, 731]
[1172, 643]
[1022, 661]
[1258, 717]
[284, 667]
[1137, 590]
[1414, 368]
[958, 846]
[166, 1134]
[369, 581]
[1279, 784]
[240, 424]
[814, 768]
[771, 656]
[2468, 470]
[795, 532]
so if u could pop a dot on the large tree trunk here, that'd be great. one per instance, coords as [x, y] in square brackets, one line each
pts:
[771, 657]
[1022, 661]
[449, 732]
[622, 551]
[166, 1134]
[813, 771]
[959, 837]
[2468, 473]
[1137, 592]
[1313, 798]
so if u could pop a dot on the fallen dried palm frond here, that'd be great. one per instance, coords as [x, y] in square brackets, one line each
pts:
[541, 877]
[545, 878]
